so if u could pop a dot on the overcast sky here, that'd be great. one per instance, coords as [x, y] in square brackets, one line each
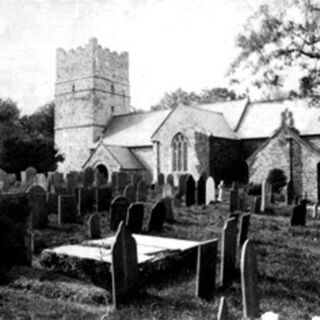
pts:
[171, 43]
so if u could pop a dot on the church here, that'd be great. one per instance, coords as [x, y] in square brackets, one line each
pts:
[234, 140]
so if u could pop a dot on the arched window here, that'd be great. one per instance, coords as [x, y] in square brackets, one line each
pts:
[179, 147]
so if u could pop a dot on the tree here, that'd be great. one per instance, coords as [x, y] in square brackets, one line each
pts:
[277, 44]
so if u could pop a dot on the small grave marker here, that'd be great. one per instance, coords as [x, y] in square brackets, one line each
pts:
[170, 179]
[134, 218]
[157, 217]
[94, 226]
[130, 193]
[167, 190]
[118, 211]
[67, 209]
[299, 212]
[210, 191]
[190, 191]
[201, 191]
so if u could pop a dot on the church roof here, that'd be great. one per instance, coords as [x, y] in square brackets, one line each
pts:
[133, 129]
[261, 119]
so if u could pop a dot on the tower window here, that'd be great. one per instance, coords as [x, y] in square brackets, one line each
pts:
[112, 109]
[179, 147]
[112, 89]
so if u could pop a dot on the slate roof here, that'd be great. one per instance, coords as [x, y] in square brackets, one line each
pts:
[133, 129]
[125, 158]
[261, 119]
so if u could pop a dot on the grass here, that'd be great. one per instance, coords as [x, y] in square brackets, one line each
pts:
[288, 263]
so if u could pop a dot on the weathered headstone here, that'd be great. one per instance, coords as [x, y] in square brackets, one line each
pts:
[161, 179]
[299, 212]
[130, 193]
[94, 226]
[142, 191]
[30, 174]
[182, 184]
[315, 210]
[167, 190]
[210, 191]
[290, 192]
[124, 270]
[234, 200]
[206, 269]
[265, 195]
[72, 181]
[249, 281]
[88, 177]
[256, 206]
[118, 211]
[67, 209]
[103, 196]
[220, 191]
[52, 201]
[169, 211]
[243, 229]
[190, 191]
[201, 191]
[223, 313]
[170, 179]
[23, 177]
[228, 251]
[134, 218]
[177, 200]
[122, 181]
[39, 209]
[57, 182]
[85, 200]
[157, 217]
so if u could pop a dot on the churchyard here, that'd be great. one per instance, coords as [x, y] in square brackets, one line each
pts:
[77, 247]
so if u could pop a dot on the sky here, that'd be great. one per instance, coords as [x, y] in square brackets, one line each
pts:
[172, 44]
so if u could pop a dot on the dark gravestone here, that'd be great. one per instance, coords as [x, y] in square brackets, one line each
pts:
[118, 211]
[124, 270]
[57, 182]
[67, 209]
[88, 177]
[256, 204]
[182, 184]
[122, 180]
[85, 200]
[103, 196]
[169, 211]
[157, 217]
[142, 191]
[190, 191]
[39, 211]
[170, 179]
[249, 281]
[177, 200]
[72, 181]
[161, 179]
[52, 201]
[201, 191]
[228, 252]
[31, 172]
[134, 218]
[290, 192]
[130, 193]
[94, 226]
[234, 200]
[206, 269]
[298, 215]
[243, 229]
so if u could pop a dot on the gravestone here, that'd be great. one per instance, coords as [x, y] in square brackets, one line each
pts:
[118, 211]
[315, 209]
[23, 177]
[249, 281]
[234, 200]
[72, 181]
[265, 195]
[134, 218]
[122, 181]
[161, 179]
[170, 179]
[57, 182]
[142, 191]
[130, 193]
[201, 191]
[223, 313]
[124, 270]
[167, 190]
[30, 174]
[220, 191]
[52, 201]
[256, 207]
[103, 196]
[177, 200]
[298, 215]
[169, 211]
[39, 209]
[157, 217]
[206, 269]
[85, 200]
[88, 177]
[190, 191]
[243, 229]
[290, 192]
[228, 252]
[210, 191]
[94, 226]
[67, 209]
[182, 184]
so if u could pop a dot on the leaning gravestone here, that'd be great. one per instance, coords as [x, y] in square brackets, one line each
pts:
[170, 179]
[299, 212]
[169, 211]
[206, 269]
[201, 191]
[134, 218]
[190, 191]
[142, 191]
[130, 193]
[157, 217]
[118, 211]
[249, 281]
[228, 251]
[94, 226]
[243, 229]
[67, 209]
[31, 172]
[161, 179]
[124, 270]
[88, 177]
[210, 191]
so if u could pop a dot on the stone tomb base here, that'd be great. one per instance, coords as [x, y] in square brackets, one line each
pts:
[157, 257]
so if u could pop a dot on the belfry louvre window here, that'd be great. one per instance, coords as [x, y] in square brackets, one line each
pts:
[179, 147]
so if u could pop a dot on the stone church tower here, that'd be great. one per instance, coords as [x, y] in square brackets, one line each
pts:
[92, 85]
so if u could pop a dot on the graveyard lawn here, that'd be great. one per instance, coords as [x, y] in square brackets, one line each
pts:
[288, 264]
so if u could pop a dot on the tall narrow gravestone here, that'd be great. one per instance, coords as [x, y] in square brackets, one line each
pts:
[210, 191]
[234, 200]
[265, 195]
[201, 191]
[142, 191]
[249, 281]
[170, 179]
[157, 217]
[67, 209]
[169, 211]
[130, 193]
[182, 185]
[94, 226]
[124, 270]
[206, 269]
[220, 191]
[299, 212]
[39, 207]
[243, 229]
[118, 211]
[228, 251]
[161, 179]
[134, 218]
[88, 177]
[190, 191]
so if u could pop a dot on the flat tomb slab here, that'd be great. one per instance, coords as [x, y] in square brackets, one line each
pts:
[93, 258]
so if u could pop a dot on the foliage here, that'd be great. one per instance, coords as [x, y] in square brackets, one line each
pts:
[276, 44]
[277, 179]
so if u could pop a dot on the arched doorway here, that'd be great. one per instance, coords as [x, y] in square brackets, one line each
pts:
[103, 174]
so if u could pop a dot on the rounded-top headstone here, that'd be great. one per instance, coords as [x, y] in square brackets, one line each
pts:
[118, 211]
[88, 177]
[94, 226]
[210, 191]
